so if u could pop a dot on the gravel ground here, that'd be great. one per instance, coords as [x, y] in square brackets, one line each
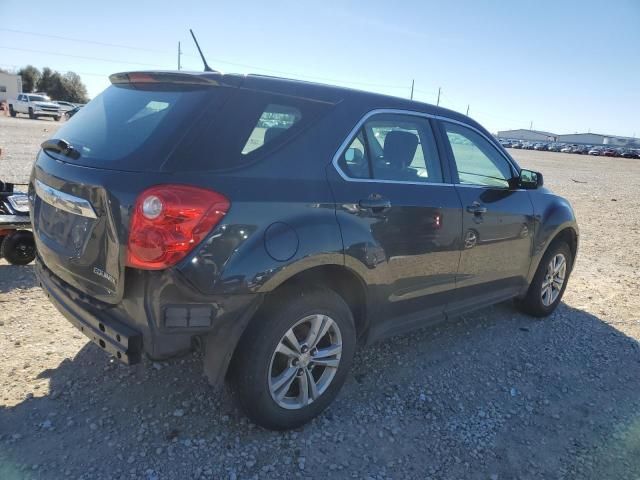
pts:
[492, 395]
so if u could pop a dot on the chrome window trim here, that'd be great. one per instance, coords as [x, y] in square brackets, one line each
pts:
[64, 201]
[394, 111]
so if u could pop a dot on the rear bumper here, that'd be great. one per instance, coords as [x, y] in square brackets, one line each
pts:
[142, 323]
[113, 336]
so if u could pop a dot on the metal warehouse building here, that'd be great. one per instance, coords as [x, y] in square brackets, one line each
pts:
[597, 139]
[10, 86]
[528, 135]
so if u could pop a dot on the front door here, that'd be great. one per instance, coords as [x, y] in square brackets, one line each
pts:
[400, 221]
[497, 224]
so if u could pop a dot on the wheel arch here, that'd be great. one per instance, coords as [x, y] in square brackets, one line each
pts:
[342, 280]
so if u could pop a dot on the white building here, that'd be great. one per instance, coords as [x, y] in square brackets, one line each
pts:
[528, 135]
[10, 86]
[598, 139]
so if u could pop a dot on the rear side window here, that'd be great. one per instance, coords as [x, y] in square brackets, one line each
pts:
[274, 120]
[249, 125]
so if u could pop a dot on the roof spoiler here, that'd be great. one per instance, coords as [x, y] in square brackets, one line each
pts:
[163, 77]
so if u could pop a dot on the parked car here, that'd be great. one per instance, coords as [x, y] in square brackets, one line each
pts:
[35, 105]
[275, 250]
[567, 149]
[608, 152]
[625, 153]
[555, 147]
[65, 106]
[70, 113]
[579, 149]
[595, 151]
[516, 145]
[540, 146]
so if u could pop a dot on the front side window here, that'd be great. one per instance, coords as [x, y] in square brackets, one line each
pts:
[393, 147]
[477, 161]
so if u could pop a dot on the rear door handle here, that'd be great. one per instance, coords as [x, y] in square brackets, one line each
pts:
[376, 204]
[476, 209]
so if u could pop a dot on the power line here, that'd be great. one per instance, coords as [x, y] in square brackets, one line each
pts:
[243, 65]
[70, 39]
[82, 57]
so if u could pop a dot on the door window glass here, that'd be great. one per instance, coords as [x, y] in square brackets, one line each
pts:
[354, 161]
[477, 161]
[393, 147]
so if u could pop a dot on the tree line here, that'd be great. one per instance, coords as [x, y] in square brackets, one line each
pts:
[67, 87]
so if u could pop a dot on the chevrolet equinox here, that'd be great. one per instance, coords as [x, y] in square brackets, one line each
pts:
[276, 224]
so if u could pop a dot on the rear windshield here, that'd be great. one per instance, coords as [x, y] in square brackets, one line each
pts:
[133, 127]
[155, 127]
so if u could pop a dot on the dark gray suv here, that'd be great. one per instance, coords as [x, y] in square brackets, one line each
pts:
[277, 223]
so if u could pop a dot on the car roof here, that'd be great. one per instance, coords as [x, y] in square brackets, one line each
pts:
[318, 91]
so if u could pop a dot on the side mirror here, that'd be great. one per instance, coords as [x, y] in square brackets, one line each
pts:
[529, 179]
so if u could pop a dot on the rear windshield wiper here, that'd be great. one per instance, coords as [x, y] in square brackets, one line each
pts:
[61, 146]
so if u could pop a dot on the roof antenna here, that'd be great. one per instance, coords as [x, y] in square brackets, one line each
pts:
[207, 68]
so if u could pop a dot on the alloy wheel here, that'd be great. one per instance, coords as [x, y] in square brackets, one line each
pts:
[553, 279]
[305, 361]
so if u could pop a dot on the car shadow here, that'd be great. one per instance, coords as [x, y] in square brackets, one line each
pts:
[14, 277]
[492, 393]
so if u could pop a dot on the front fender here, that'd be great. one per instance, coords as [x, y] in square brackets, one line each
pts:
[553, 214]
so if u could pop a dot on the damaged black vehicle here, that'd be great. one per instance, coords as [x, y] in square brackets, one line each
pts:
[279, 223]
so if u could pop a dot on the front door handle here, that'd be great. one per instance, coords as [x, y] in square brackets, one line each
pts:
[476, 209]
[376, 204]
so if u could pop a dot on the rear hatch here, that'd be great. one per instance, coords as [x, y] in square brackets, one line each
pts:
[148, 129]
[85, 181]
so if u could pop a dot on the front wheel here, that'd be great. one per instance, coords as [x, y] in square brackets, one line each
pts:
[12, 112]
[549, 282]
[57, 118]
[32, 115]
[294, 358]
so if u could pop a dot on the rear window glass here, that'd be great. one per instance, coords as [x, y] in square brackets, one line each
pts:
[275, 119]
[247, 126]
[132, 127]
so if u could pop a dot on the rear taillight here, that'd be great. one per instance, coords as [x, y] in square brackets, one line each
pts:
[168, 221]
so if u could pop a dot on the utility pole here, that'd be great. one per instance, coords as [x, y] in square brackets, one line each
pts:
[438, 102]
[179, 54]
[412, 83]
[531, 125]
[467, 109]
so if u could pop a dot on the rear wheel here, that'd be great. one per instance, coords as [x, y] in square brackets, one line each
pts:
[549, 282]
[12, 112]
[31, 114]
[18, 248]
[294, 357]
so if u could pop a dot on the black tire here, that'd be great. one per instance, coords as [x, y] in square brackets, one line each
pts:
[532, 303]
[12, 112]
[31, 114]
[57, 119]
[18, 248]
[250, 372]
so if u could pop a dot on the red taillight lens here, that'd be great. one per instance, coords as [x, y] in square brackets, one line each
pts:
[168, 221]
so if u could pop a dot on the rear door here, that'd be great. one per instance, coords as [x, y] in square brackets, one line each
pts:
[400, 219]
[498, 222]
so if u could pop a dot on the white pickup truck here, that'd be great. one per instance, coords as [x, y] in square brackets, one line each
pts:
[35, 105]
